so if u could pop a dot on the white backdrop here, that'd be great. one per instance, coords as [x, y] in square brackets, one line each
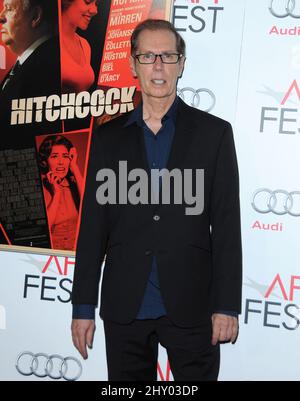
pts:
[243, 64]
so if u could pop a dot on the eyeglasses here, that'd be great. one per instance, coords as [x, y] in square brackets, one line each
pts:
[150, 58]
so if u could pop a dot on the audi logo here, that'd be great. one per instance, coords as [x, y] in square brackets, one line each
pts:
[279, 202]
[287, 8]
[54, 366]
[193, 97]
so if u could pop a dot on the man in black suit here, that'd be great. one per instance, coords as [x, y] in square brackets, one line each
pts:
[29, 28]
[170, 277]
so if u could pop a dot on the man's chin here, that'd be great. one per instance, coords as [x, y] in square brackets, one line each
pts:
[5, 39]
[162, 95]
[8, 42]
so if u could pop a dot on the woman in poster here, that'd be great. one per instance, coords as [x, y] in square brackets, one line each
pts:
[62, 182]
[77, 75]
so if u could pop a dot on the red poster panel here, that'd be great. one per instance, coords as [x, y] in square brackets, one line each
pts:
[55, 72]
[30, 71]
[61, 161]
[124, 16]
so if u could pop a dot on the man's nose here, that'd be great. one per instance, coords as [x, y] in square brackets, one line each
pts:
[158, 64]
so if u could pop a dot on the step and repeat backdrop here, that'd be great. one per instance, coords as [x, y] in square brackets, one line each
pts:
[243, 65]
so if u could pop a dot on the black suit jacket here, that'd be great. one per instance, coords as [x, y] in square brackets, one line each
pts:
[39, 75]
[198, 256]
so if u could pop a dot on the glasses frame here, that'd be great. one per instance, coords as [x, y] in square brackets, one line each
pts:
[179, 56]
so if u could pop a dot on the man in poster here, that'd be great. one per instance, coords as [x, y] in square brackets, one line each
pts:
[29, 28]
[169, 277]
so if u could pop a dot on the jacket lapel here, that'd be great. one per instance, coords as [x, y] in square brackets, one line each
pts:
[137, 148]
[183, 137]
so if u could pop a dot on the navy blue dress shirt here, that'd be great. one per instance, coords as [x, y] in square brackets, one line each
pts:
[158, 148]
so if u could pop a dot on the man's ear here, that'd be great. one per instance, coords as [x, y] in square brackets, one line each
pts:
[37, 16]
[181, 65]
[132, 66]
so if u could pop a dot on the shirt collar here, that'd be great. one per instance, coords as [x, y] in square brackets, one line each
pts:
[137, 115]
[28, 52]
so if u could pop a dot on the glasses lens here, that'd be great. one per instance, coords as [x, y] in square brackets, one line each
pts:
[170, 58]
[150, 58]
[147, 58]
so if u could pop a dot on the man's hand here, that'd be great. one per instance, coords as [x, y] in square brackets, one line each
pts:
[225, 328]
[83, 334]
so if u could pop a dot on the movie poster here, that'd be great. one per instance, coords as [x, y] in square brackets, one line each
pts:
[64, 69]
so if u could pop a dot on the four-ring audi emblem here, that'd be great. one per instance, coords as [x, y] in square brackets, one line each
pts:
[285, 8]
[198, 98]
[278, 202]
[54, 366]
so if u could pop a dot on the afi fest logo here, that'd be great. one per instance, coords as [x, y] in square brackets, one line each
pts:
[164, 376]
[52, 282]
[277, 305]
[283, 119]
[2, 318]
[287, 11]
[197, 15]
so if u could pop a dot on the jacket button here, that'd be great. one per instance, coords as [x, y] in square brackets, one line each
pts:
[156, 217]
[148, 252]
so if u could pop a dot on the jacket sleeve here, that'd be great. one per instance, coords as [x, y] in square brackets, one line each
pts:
[226, 228]
[93, 233]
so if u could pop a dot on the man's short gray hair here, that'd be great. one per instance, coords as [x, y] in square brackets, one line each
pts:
[156, 25]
